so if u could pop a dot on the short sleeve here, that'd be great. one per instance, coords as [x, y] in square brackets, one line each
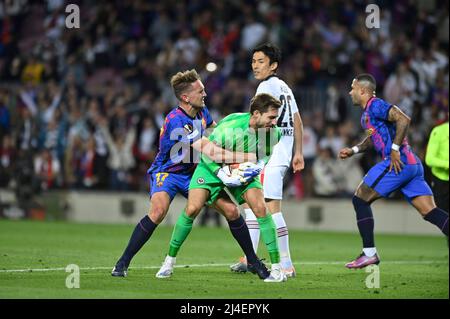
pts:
[263, 87]
[380, 109]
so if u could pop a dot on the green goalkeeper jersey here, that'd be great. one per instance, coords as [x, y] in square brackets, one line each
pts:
[234, 134]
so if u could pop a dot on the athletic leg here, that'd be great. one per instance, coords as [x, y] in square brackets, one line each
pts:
[273, 194]
[420, 195]
[430, 212]
[363, 198]
[159, 205]
[239, 230]
[255, 199]
[196, 200]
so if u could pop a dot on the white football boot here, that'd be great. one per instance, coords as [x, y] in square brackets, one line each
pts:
[166, 269]
[276, 274]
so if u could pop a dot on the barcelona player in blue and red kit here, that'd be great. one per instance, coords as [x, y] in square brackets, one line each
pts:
[173, 166]
[386, 127]
[171, 172]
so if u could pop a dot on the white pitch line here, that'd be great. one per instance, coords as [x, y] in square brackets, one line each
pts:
[318, 263]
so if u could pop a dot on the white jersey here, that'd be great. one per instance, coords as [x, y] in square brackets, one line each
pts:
[282, 152]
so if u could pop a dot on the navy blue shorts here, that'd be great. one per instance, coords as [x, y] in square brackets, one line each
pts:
[410, 180]
[170, 183]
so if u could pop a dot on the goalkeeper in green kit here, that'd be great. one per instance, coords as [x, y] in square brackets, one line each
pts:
[248, 132]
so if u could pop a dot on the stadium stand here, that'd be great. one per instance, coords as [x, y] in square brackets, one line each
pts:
[60, 88]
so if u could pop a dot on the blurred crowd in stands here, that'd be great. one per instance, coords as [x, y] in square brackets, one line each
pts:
[81, 108]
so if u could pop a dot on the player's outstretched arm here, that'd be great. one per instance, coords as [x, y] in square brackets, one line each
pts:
[297, 161]
[221, 155]
[359, 148]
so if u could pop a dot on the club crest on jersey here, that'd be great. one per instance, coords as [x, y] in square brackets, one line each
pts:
[200, 180]
[191, 132]
[370, 131]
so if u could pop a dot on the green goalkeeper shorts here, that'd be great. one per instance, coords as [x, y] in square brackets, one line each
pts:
[204, 178]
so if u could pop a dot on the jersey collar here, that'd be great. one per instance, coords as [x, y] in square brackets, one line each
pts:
[369, 102]
[182, 110]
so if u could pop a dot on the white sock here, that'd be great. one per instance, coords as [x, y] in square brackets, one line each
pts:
[253, 227]
[171, 260]
[276, 266]
[283, 240]
[370, 252]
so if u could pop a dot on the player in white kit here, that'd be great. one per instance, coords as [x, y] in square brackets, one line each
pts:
[265, 60]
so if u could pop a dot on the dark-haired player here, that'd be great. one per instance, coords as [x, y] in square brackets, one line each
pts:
[265, 62]
[386, 127]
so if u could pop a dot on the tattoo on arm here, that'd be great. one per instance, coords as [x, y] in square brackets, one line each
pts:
[365, 144]
[401, 122]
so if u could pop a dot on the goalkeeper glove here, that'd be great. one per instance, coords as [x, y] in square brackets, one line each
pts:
[253, 171]
[230, 181]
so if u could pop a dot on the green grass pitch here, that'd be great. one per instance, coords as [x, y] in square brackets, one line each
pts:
[33, 257]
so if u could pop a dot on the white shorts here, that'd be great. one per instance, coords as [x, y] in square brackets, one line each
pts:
[272, 179]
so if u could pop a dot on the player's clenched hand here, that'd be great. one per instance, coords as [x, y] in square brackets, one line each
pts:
[345, 153]
[298, 163]
[396, 163]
